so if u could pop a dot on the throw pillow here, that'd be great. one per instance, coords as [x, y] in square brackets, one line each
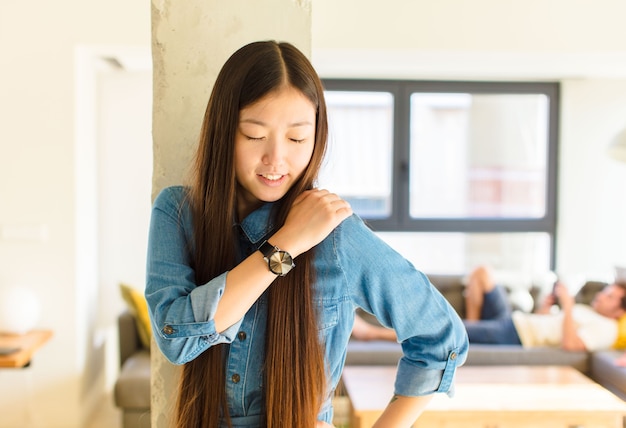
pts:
[138, 306]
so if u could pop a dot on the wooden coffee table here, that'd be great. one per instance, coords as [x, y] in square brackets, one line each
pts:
[494, 396]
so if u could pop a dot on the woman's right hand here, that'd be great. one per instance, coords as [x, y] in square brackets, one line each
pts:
[314, 214]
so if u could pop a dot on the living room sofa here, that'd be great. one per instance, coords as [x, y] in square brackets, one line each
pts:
[132, 389]
[597, 365]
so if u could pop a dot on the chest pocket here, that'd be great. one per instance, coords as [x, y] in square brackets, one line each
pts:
[327, 314]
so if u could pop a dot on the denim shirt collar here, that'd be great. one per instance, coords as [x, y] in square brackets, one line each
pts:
[258, 224]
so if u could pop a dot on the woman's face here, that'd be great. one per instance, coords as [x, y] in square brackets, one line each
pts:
[273, 146]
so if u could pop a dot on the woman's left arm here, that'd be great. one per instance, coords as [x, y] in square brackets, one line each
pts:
[433, 338]
[402, 411]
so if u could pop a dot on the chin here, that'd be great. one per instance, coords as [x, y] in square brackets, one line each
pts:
[271, 199]
[272, 196]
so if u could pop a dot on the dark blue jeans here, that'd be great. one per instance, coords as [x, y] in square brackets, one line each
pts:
[496, 325]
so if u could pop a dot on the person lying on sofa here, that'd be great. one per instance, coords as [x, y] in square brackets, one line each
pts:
[489, 319]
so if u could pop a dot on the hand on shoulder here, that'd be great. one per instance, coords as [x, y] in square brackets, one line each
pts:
[313, 216]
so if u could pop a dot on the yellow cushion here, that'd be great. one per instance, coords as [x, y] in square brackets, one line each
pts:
[620, 343]
[138, 306]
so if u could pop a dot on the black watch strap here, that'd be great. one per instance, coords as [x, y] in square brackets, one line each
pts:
[267, 249]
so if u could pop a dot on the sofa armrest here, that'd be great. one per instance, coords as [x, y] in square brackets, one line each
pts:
[129, 341]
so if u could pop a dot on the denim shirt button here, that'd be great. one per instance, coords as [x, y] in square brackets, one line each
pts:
[241, 335]
[236, 378]
[168, 329]
[453, 356]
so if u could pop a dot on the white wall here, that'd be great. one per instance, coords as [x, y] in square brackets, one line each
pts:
[461, 26]
[592, 202]
[478, 39]
[124, 184]
[39, 185]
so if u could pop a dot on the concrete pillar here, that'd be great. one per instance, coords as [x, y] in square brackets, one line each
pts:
[191, 40]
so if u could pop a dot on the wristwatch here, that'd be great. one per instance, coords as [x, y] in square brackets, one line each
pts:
[278, 261]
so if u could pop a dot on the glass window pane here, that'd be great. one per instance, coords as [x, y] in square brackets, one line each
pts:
[524, 255]
[478, 155]
[360, 150]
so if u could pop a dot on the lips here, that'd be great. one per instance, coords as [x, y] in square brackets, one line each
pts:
[272, 179]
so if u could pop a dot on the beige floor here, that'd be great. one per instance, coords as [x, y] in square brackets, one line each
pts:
[107, 416]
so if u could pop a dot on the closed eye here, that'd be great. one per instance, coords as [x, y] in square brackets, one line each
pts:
[255, 138]
[295, 140]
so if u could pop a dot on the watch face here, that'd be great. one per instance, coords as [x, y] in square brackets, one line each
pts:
[280, 263]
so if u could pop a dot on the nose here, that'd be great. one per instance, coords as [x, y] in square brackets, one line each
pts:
[275, 152]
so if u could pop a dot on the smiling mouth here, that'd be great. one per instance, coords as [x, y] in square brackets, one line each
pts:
[272, 177]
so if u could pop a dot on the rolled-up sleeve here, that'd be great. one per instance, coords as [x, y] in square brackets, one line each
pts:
[412, 380]
[181, 312]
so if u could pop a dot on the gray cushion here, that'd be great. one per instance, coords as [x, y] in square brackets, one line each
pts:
[373, 353]
[451, 287]
[517, 355]
[132, 388]
[128, 335]
[389, 353]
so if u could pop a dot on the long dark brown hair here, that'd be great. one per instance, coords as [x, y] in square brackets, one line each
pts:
[294, 373]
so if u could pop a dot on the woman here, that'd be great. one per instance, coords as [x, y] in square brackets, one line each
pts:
[262, 339]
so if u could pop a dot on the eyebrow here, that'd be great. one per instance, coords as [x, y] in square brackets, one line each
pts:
[291, 125]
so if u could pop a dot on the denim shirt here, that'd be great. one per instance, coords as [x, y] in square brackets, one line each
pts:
[355, 269]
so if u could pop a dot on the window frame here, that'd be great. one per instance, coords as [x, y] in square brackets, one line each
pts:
[400, 219]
